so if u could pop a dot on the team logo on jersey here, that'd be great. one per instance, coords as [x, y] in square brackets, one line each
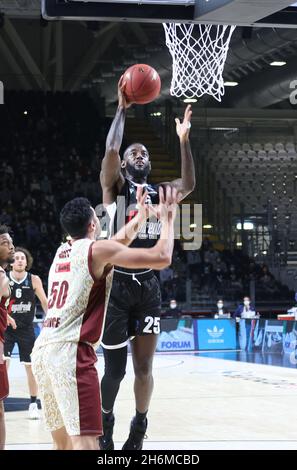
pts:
[131, 215]
[21, 308]
[62, 268]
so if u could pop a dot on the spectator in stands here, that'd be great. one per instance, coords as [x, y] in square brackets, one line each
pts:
[235, 279]
[219, 278]
[166, 275]
[245, 310]
[267, 281]
[174, 310]
[194, 262]
[219, 265]
[220, 311]
[206, 244]
[207, 277]
[210, 256]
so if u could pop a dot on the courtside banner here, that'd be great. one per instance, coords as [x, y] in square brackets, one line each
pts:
[216, 334]
[176, 335]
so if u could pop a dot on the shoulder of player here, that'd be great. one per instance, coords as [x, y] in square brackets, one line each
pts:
[101, 253]
[110, 193]
[36, 281]
[102, 250]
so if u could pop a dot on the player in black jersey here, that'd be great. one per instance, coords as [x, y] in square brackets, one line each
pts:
[24, 287]
[135, 300]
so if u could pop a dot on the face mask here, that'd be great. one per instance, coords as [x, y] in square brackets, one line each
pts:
[246, 303]
[220, 305]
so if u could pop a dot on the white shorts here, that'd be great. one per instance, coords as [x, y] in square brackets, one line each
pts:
[68, 386]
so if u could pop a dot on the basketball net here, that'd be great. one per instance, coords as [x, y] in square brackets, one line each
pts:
[199, 53]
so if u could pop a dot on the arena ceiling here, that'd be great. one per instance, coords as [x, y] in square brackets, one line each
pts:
[71, 55]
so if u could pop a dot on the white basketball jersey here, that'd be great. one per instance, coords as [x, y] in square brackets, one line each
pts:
[77, 302]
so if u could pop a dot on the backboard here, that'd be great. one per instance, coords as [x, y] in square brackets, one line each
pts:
[279, 13]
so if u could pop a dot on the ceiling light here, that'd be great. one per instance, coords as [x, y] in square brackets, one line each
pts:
[278, 63]
[246, 226]
[190, 100]
[230, 83]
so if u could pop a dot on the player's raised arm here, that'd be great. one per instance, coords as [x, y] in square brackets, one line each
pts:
[186, 184]
[110, 174]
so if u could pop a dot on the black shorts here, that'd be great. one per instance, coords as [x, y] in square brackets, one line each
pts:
[134, 309]
[25, 339]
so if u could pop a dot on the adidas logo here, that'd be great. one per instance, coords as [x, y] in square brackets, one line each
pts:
[215, 332]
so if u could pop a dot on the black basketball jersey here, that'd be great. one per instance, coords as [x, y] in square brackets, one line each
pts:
[22, 300]
[150, 231]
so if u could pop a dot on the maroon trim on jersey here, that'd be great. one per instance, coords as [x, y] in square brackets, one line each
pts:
[93, 318]
[3, 318]
[4, 386]
[88, 389]
[90, 262]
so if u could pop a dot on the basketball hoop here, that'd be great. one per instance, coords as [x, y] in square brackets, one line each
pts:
[199, 54]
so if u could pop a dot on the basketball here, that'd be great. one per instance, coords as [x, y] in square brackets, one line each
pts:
[143, 84]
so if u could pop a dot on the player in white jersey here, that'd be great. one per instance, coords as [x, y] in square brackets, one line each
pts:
[63, 358]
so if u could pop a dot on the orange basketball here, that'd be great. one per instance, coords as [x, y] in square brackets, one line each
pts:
[143, 84]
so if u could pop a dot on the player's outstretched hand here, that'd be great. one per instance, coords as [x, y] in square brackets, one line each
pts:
[121, 94]
[183, 128]
[142, 207]
[169, 198]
